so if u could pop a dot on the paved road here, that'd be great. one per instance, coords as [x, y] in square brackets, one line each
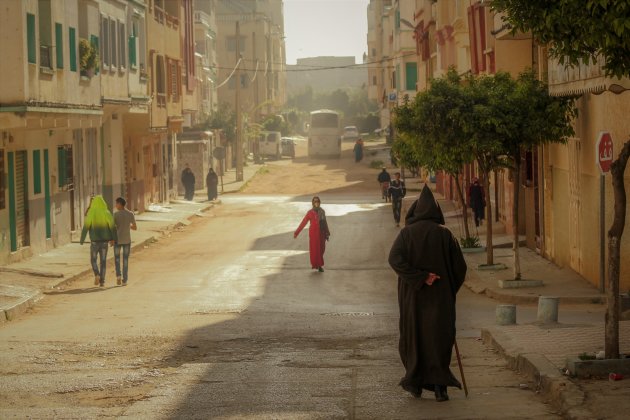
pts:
[224, 319]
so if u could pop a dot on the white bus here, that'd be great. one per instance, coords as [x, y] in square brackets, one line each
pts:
[324, 134]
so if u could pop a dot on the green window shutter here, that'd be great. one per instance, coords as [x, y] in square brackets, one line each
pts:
[411, 75]
[94, 42]
[132, 51]
[61, 165]
[59, 44]
[72, 47]
[47, 195]
[37, 172]
[30, 38]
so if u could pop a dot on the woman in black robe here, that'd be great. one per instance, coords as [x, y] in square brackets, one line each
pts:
[212, 180]
[431, 269]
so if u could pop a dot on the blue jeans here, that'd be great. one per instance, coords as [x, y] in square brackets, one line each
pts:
[98, 250]
[126, 250]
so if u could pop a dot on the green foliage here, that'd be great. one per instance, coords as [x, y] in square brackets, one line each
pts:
[472, 242]
[224, 118]
[376, 164]
[88, 56]
[576, 29]
[276, 123]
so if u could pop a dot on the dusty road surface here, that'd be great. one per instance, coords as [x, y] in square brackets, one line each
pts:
[225, 320]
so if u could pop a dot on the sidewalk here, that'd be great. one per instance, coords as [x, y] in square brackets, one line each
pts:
[24, 283]
[541, 350]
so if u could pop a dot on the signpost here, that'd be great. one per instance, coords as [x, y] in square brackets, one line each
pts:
[604, 158]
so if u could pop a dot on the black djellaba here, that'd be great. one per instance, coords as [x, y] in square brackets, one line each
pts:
[431, 269]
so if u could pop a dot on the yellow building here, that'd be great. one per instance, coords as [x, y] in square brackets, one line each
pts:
[262, 52]
[206, 57]
[50, 119]
[571, 177]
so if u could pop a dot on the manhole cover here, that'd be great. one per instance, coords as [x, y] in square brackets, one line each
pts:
[349, 314]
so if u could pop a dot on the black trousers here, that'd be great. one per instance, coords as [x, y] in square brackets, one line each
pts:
[396, 208]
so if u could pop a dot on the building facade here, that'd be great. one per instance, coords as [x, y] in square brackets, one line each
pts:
[91, 101]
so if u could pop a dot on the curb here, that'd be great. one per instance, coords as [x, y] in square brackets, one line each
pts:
[475, 285]
[565, 395]
[13, 312]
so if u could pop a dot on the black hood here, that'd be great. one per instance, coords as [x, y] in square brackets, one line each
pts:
[425, 207]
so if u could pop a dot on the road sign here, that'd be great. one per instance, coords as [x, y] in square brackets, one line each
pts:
[604, 150]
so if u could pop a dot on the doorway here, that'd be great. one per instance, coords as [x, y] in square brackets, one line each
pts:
[18, 200]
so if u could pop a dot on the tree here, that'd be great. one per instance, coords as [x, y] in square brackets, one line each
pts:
[585, 30]
[224, 118]
[575, 30]
[529, 117]
[434, 124]
[276, 123]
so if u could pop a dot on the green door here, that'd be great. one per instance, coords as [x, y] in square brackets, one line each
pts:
[18, 200]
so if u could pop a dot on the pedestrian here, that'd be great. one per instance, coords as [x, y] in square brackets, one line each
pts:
[125, 222]
[188, 179]
[358, 151]
[431, 269]
[397, 191]
[477, 198]
[99, 223]
[384, 178]
[212, 180]
[318, 233]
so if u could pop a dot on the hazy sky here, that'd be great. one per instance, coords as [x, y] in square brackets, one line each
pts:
[325, 27]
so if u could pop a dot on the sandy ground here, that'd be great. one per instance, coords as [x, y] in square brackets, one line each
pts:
[224, 319]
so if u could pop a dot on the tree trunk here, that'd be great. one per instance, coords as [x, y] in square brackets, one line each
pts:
[460, 192]
[614, 252]
[486, 188]
[517, 189]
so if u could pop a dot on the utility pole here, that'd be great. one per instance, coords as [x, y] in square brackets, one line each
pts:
[239, 134]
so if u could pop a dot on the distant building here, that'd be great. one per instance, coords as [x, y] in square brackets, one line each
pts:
[325, 74]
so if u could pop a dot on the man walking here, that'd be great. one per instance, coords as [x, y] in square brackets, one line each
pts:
[125, 223]
[384, 178]
[397, 192]
[477, 198]
[431, 269]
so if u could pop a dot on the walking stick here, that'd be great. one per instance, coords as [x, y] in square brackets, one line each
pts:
[461, 368]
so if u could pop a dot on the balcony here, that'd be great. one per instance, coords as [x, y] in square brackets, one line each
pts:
[202, 18]
[564, 80]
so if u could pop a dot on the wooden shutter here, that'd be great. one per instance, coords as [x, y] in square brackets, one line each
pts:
[59, 44]
[37, 172]
[30, 38]
[72, 48]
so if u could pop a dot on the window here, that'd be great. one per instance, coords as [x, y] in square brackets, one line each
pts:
[37, 172]
[105, 39]
[394, 79]
[160, 81]
[72, 48]
[231, 43]
[122, 48]
[411, 76]
[3, 192]
[95, 44]
[133, 36]
[397, 17]
[45, 34]
[244, 81]
[374, 80]
[112, 44]
[59, 44]
[173, 80]
[373, 52]
[30, 38]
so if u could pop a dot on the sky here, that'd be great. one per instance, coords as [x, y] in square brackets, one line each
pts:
[325, 27]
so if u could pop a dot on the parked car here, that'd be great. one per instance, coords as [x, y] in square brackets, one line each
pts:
[269, 144]
[288, 147]
[350, 133]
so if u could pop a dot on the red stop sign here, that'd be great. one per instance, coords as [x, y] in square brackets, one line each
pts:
[604, 150]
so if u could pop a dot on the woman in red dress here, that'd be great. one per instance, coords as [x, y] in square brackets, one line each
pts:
[318, 234]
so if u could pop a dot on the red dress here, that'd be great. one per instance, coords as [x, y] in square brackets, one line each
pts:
[317, 238]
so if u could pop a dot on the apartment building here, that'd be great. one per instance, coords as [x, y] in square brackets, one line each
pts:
[91, 101]
[262, 54]
[50, 117]
[206, 56]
